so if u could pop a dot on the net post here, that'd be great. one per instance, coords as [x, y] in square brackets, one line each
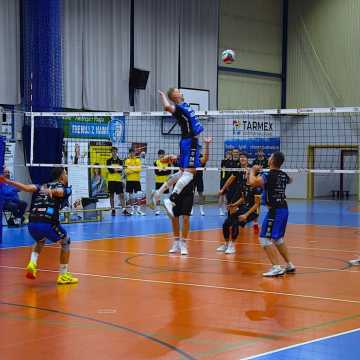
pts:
[32, 131]
[2, 159]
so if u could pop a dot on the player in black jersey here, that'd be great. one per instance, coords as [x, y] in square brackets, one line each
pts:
[224, 175]
[241, 212]
[274, 183]
[260, 159]
[183, 205]
[237, 179]
[234, 180]
[47, 201]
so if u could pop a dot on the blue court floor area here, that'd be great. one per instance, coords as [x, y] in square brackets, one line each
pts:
[320, 212]
[337, 347]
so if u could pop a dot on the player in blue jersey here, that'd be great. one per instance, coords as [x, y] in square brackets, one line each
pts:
[273, 229]
[189, 146]
[46, 203]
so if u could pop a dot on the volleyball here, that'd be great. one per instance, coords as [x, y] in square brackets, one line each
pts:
[228, 56]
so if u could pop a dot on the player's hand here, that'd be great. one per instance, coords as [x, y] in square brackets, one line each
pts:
[243, 217]
[221, 192]
[207, 140]
[162, 93]
[2, 179]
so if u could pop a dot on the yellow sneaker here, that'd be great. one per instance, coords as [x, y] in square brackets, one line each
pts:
[31, 270]
[67, 278]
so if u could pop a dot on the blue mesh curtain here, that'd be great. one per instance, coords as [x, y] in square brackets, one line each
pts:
[2, 155]
[42, 74]
[41, 40]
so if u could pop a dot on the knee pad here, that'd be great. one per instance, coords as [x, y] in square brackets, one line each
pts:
[265, 242]
[65, 244]
[278, 241]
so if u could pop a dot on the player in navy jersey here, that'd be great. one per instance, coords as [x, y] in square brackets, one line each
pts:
[189, 160]
[46, 203]
[273, 229]
[241, 211]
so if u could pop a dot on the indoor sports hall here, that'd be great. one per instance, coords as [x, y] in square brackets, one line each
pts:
[179, 179]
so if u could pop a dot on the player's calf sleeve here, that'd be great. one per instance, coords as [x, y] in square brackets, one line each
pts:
[184, 180]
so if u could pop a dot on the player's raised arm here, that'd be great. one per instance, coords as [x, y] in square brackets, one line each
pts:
[256, 180]
[207, 142]
[166, 103]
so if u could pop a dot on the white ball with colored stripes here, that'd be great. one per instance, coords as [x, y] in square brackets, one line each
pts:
[228, 56]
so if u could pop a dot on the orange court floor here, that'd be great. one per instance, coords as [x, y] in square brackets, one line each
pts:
[135, 301]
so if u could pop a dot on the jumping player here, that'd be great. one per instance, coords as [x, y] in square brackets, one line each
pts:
[47, 200]
[273, 228]
[189, 145]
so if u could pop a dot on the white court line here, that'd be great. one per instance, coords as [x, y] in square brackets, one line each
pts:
[202, 258]
[111, 238]
[204, 286]
[152, 236]
[290, 247]
[300, 344]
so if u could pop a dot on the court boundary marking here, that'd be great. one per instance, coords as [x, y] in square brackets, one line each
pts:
[254, 357]
[205, 286]
[347, 269]
[169, 232]
[107, 323]
[167, 235]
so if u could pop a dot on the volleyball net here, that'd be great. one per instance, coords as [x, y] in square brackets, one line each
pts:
[321, 143]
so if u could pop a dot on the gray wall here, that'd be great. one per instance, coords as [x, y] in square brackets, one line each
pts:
[323, 54]
[253, 29]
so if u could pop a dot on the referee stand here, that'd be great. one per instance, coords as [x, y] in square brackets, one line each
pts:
[2, 157]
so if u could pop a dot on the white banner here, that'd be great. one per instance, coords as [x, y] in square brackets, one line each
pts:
[252, 127]
[78, 154]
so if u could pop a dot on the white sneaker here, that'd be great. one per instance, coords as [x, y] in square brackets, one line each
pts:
[276, 270]
[154, 199]
[202, 212]
[222, 247]
[157, 213]
[192, 212]
[169, 205]
[221, 212]
[139, 212]
[230, 249]
[183, 248]
[175, 247]
[355, 262]
[291, 269]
